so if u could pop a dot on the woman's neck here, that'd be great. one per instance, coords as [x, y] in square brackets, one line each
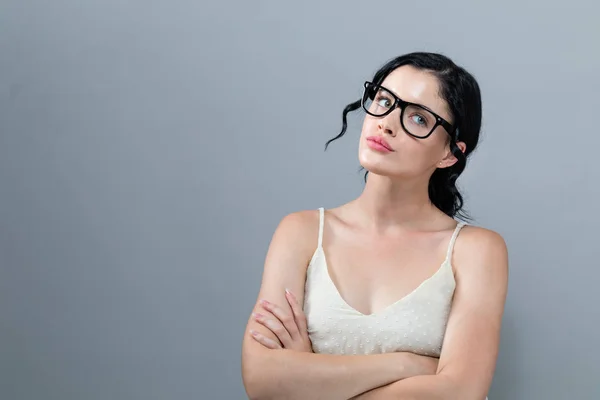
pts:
[387, 203]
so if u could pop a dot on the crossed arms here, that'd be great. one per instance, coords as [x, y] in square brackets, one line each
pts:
[277, 364]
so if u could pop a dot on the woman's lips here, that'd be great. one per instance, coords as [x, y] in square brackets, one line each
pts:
[379, 144]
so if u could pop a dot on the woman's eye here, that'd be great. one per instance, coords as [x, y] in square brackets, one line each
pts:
[419, 120]
[383, 102]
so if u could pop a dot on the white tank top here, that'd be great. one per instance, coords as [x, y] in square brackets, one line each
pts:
[416, 323]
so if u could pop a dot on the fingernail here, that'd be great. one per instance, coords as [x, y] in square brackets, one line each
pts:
[288, 291]
[256, 315]
[264, 302]
[253, 333]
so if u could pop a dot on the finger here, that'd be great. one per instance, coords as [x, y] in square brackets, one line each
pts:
[265, 341]
[286, 319]
[274, 326]
[299, 315]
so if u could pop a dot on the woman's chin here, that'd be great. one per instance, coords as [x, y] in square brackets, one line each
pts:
[377, 168]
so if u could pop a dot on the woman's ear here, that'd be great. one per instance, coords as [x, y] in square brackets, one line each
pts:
[450, 159]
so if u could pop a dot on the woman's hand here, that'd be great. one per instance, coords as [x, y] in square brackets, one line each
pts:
[291, 330]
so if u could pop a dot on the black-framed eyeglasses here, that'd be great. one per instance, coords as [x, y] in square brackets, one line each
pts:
[416, 120]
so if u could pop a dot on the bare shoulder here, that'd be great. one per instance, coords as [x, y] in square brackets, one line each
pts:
[301, 225]
[481, 251]
[473, 238]
[304, 219]
[298, 232]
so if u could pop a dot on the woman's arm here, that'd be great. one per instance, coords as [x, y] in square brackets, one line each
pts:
[287, 374]
[470, 348]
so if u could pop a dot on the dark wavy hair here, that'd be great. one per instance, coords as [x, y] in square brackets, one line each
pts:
[461, 92]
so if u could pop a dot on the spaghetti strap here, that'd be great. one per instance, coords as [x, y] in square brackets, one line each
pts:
[453, 239]
[321, 224]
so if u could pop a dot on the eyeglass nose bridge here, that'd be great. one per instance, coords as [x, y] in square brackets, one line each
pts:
[399, 104]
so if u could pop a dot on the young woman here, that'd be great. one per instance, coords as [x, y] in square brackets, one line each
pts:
[387, 296]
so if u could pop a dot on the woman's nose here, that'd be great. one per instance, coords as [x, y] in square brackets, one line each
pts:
[385, 126]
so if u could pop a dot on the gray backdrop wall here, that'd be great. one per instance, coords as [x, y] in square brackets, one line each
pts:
[149, 148]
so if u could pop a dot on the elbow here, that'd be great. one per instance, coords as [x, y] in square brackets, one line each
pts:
[258, 388]
[255, 386]
[462, 389]
[255, 381]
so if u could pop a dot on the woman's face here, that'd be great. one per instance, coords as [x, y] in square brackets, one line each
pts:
[406, 156]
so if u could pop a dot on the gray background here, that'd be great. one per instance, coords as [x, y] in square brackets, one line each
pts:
[148, 150]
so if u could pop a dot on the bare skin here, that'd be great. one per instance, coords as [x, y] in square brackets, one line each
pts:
[379, 248]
